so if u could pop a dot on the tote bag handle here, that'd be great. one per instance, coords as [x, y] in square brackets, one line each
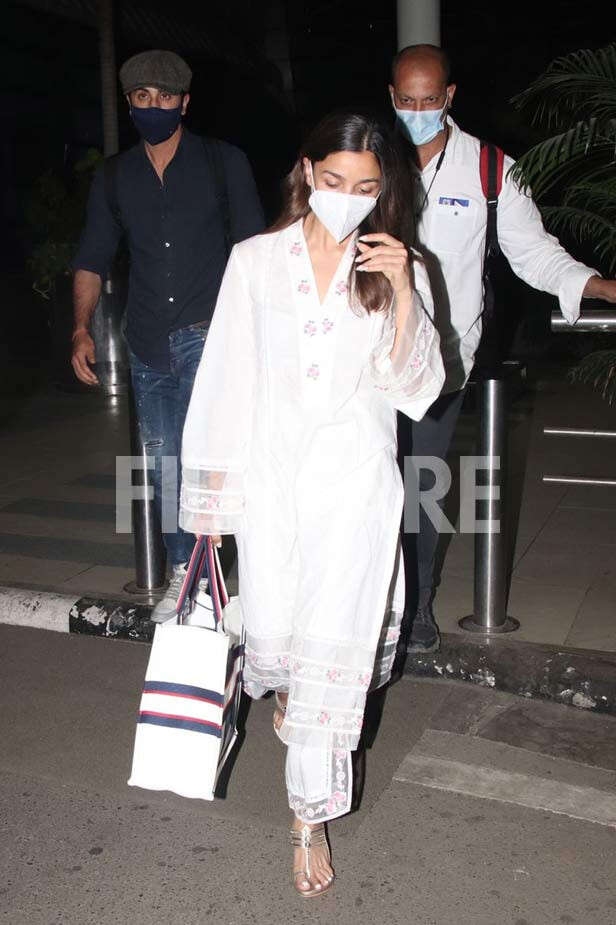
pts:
[204, 558]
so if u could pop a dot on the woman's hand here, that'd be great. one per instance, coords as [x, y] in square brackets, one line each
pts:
[387, 256]
[216, 541]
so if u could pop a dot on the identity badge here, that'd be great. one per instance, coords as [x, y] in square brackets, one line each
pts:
[453, 201]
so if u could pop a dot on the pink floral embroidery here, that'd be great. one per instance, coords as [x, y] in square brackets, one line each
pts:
[364, 679]
[341, 288]
[313, 371]
[296, 248]
[327, 325]
[310, 328]
[283, 661]
[333, 674]
[304, 287]
[323, 718]
[337, 799]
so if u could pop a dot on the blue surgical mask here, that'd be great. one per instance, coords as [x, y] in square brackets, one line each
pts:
[424, 125]
[155, 125]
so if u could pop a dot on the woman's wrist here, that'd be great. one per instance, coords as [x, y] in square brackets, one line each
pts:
[403, 300]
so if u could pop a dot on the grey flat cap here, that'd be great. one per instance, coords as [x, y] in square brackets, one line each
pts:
[162, 69]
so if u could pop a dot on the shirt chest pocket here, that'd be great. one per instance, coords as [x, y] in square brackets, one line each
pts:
[455, 223]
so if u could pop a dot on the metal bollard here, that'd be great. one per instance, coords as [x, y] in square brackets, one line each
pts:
[111, 365]
[490, 585]
[150, 554]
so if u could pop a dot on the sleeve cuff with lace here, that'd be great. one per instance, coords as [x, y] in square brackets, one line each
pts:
[211, 501]
[414, 376]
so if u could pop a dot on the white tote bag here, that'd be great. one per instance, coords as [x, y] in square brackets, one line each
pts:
[187, 719]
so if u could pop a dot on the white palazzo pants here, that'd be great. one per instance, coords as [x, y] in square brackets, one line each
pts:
[322, 594]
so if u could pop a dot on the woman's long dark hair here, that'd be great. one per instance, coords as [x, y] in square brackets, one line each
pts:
[393, 213]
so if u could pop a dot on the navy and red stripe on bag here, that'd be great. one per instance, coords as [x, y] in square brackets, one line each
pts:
[193, 685]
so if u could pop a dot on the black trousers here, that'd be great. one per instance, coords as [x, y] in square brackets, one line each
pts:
[429, 437]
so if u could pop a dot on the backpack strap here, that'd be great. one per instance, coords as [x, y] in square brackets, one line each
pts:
[491, 162]
[110, 176]
[213, 153]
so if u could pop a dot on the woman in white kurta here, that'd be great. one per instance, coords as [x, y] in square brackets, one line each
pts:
[290, 444]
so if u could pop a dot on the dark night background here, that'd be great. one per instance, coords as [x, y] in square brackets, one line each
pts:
[334, 53]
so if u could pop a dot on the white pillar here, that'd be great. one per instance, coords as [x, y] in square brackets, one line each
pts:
[419, 22]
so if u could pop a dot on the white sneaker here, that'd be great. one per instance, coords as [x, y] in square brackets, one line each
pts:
[165, 609]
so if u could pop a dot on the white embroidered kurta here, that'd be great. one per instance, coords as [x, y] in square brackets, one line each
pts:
[290, 444]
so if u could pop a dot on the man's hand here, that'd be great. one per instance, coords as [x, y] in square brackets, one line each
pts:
[598, 288]
[84, 357]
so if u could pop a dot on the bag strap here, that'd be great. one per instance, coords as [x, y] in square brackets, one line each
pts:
[110, 177]
[190, 585]
[491, 163]
[213, 153]
[213, 583]
[204, 558]
[221, 579]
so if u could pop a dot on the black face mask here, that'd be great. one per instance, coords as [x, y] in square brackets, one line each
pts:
[155, 125]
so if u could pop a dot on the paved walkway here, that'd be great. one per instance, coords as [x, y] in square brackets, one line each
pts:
[478, 808]
[57, 509]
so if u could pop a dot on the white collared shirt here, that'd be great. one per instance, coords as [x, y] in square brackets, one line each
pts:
[452, 234]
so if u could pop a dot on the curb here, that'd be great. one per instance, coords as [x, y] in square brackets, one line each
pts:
[62, 613]
[582, 678]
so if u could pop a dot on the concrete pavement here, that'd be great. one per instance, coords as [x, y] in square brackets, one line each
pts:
[78, 846]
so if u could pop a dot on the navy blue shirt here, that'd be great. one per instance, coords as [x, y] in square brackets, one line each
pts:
[175, 237]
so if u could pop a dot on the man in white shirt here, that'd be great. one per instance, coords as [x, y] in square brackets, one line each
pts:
[451, 234]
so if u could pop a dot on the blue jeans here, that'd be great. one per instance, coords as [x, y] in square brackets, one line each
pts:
[161, 403]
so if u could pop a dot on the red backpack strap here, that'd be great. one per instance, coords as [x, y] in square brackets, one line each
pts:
[491, 163]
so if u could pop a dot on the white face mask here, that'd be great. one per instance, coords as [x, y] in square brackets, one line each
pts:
[341, 213]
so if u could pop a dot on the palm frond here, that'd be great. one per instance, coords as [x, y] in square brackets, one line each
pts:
[595, 197]
[573, 155]
[585, 225]
[599, 371]
[582, 82]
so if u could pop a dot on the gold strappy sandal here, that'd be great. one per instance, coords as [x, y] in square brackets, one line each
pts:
[306, 838]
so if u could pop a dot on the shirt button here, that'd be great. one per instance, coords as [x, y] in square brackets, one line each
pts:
[167, 244]
[171, 299]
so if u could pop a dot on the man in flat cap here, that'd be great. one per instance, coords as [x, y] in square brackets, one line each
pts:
[182, 201]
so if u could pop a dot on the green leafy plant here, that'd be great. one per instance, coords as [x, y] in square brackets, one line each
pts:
[576, 99]
[598, 370]
[55, 214]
